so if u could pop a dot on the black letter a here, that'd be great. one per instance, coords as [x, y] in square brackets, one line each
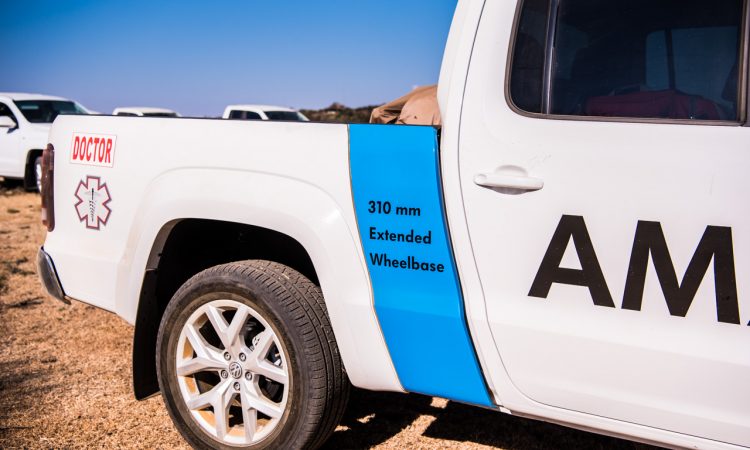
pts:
[590, 274]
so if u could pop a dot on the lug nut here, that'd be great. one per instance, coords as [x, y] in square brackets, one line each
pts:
[248, 376]
[224, 374]
[236, 386]
[242, 357]
[227, 356]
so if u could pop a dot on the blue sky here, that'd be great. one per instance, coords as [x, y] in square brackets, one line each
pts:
[197, 57]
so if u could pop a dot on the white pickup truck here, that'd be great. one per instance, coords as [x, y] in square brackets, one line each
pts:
[573, 245]
[263, 112]
[25, 120]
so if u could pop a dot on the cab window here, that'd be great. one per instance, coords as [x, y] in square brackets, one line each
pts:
[653, 59]
[244, 115]
[45, 111]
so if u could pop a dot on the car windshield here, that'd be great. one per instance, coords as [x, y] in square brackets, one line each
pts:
[284, 115]
[45, 111]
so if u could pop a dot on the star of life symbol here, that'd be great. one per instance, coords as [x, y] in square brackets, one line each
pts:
[93, 196]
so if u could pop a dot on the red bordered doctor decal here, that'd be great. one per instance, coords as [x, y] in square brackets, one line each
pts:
[93, 149]
[92, 205]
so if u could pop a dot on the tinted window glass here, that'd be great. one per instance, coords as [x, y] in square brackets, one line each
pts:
[160, 114]
[671, 59]
[45, 111]
[701, 62]
[247, 115]
[528, 56]
[5, 111]
[283, 115]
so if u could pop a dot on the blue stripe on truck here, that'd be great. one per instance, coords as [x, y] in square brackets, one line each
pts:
[398, 203]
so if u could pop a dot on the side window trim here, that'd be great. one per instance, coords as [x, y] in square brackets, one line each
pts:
[10, 112]
[744, 75]
[549, 45]
[743, 94]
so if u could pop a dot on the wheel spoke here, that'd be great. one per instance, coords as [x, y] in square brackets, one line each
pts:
[201, 348]
[188, 367]
[235, 328]
[260, 363]
[250, 421]
[265, 341]
[272, 372]
[201, 401]
[221, 410]
[227, 332]
[208, 398]
[220, 325]
[251, 400]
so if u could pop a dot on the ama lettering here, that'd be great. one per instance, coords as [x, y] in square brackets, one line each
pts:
[649, 243]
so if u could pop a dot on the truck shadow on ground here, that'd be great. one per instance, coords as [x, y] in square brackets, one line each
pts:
[375, 417]
[20, 389]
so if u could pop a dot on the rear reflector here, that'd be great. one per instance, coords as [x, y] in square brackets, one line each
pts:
[48, 191]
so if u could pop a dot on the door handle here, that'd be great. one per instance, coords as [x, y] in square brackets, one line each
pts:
[499, 180]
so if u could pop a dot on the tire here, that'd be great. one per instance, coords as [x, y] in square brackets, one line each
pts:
[254, 339]
[32, 181]
[38, 173]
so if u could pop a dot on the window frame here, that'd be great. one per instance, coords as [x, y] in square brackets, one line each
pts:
[10, 110]
[743, 82]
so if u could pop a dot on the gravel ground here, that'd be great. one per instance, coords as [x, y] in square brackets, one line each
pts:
[65, 378]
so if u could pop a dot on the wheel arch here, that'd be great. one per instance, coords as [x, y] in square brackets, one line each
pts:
[320, 221]
[184, 248]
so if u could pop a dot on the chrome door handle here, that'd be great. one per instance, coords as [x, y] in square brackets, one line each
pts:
[498, 180]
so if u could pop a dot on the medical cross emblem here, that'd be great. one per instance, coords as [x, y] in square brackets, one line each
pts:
[93, 197]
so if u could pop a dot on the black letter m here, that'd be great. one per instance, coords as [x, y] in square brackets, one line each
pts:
[715, 244]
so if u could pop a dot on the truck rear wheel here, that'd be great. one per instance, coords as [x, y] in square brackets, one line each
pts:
[246, 358]
[32, 180]
[38, 173]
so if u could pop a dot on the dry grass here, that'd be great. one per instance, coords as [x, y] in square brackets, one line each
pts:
[65, 378]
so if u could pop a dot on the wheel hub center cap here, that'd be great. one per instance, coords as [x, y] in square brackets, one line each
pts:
[235, 370]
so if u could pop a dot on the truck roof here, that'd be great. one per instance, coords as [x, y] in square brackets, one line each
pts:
[27, 96]
[260, 107]
[141, 110]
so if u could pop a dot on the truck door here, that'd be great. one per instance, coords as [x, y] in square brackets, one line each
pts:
[605, 173]
[9, 144]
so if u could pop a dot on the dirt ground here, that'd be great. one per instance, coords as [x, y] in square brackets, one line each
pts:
[65, 378]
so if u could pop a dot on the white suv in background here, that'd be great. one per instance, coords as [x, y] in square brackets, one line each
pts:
[144, 111]
[25, 120]
[263, 112]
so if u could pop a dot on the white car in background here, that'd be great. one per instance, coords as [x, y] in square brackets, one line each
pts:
[263, 112]
[144, 111]
[25, 120]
